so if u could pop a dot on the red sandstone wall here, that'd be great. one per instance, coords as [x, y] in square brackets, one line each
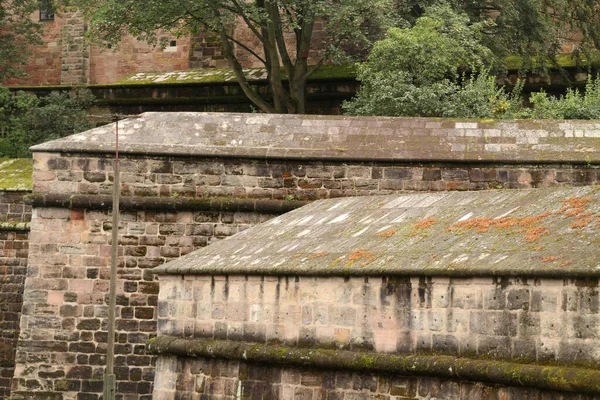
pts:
[14, 246]
[109, 66]
[44, 67]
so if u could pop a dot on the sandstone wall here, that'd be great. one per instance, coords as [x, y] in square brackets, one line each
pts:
[529, 320]
[14, 244]
[454, 287]
[175, 201]
[536, 319]
[218, 378]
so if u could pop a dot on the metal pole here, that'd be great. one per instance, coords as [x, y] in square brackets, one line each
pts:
[109, 377]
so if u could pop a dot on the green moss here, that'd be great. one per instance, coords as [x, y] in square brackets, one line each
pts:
[15, 174]
[562, 378]
[325, 72]
[175, 100]
[346, 71]
[14, 226]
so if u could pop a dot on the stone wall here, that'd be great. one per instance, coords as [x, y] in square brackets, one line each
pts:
[75, 56]
[289, 180]
[541, 320]
[177, 199]
[223, 379]
[451, 286]
[14, 243]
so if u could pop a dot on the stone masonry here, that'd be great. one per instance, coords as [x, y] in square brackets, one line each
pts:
[15, 183]
[190, 178]
[74, 57]
[218, 378]
[479, 276]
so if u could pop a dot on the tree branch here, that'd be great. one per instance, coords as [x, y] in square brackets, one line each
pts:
[248, 49]
[239, 74]
[279, 37]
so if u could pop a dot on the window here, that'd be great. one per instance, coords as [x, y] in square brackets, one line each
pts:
[46, 10]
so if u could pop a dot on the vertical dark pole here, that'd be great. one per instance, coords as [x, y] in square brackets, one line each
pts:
[109, 377]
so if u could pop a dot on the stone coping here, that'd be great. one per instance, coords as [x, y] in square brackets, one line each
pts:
[103, 202]
[562, 378]
[521, 233]
[304, 137]
[15, 226]
[15, 174]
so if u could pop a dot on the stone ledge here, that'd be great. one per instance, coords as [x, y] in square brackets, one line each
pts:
[23, 395]
[163, 203]
[561, 378]
[15, 226]
[331, 138]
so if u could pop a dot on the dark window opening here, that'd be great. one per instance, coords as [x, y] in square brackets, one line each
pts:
[173, 43]
[46, 10]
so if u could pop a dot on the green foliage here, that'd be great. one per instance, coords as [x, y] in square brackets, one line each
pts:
[480, 97]
[573, 105]
[26, 120]
[534, 30]
[417, 71]
[17, 33]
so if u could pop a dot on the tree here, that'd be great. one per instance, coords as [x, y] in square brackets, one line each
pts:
[17, 33]
[533, 29]
[350, 25]
[27, 120]
[420, 71]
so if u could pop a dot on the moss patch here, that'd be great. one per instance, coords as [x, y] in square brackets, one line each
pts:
[15, 174]
[562, 378]
[326, 72]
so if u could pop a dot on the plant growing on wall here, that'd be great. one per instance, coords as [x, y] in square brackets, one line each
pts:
[284, 30]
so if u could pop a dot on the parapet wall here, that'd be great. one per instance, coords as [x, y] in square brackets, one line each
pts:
[190, 178]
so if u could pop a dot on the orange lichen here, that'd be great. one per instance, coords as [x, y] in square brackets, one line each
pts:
[387, 234]
[528, 224]
[539, 248]
[549, 259]
[574, 206]
[424, 224]
[565, 263]
[533, 234]
[317, 255]
[360, 255]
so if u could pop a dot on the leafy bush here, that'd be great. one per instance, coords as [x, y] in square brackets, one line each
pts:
[573, 105]
[480, 97]
[415, 71]
[26, 120]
